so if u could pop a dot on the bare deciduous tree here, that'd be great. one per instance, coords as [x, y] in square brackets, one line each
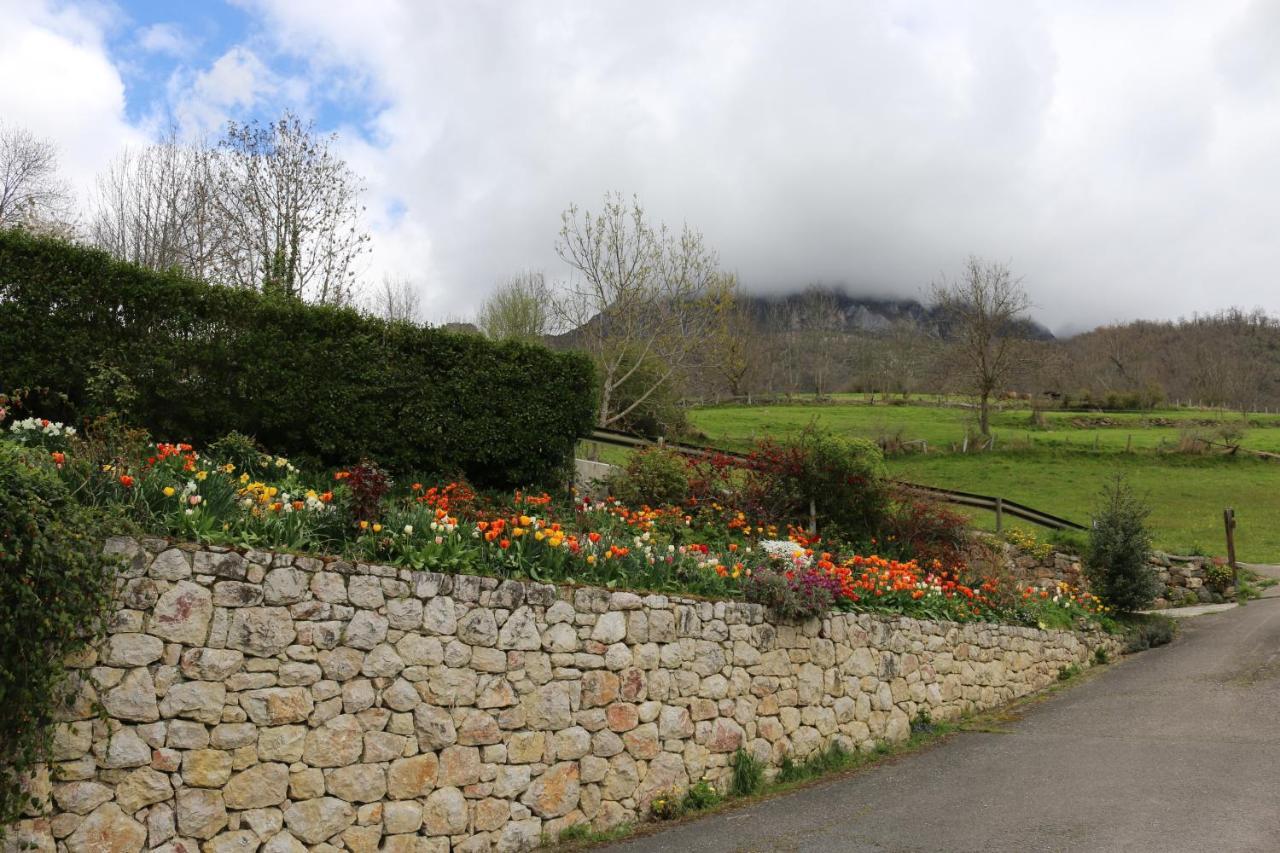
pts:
[1235, 360]
[638, 301]
[155, 208]
[897, 359]
[290, 210]
[786, 366]
[30, 190]
[983, 312]
[822, 325]
[520, 309]
[397, 300]
[732, 348]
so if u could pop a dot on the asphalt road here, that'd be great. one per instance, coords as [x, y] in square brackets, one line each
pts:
[1174, 749]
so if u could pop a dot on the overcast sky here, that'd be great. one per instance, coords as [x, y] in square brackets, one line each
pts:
[1124, 158]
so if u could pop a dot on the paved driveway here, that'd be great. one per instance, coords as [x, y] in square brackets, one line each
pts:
[1176, 749]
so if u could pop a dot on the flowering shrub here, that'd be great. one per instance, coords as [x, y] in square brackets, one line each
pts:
[42, 432]
[701, 795]
[712, 477]
[791, 596]
[1026, 542]
[1217, 574]
[666, 805]
[1062, 606]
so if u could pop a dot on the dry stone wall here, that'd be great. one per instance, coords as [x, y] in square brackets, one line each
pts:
[1183, 579]
[269, 702]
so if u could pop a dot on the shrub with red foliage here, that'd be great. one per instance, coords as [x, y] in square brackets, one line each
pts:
[368, 485]
[923, 529]
[711, 478]
[840, 479]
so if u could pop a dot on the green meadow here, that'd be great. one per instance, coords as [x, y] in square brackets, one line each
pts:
[1058, 465]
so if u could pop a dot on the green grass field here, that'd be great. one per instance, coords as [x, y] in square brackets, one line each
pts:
[1187, 493]
[945, 427]
[1056, 468]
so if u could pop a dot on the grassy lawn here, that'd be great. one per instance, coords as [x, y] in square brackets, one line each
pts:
[1056, 467]
[1187, 493]
[945, 427]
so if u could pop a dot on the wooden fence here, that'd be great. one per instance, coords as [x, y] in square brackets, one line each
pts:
[1002, 507]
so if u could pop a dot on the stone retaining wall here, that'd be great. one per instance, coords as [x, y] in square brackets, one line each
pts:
[269, 702]
[1183, 578]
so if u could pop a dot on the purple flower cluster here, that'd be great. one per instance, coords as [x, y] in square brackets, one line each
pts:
[813, 593]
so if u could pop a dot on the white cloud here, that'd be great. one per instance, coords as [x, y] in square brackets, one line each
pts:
[61, 84]
[236, 82]
[1104, 149]
[165, 39]
[1120, 156]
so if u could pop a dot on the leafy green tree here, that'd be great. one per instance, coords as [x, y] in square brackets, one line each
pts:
[655, 476]
[653, 408]
[519, 310]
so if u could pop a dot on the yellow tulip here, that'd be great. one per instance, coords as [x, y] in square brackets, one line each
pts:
[168, 491]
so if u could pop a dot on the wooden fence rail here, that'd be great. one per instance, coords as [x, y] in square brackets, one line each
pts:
[1000, 506]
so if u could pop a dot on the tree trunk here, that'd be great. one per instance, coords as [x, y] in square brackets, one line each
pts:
[984, 415]
[604, 406]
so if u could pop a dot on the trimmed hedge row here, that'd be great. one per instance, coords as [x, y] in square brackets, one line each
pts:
[192, 361]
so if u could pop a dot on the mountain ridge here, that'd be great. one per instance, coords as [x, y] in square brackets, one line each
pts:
[835, 309]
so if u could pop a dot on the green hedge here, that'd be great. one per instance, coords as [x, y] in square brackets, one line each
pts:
[196, 361]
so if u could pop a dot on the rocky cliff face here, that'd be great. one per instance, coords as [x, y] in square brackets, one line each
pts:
[833, 309]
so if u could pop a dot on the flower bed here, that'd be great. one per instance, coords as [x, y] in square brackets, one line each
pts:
[233, 495]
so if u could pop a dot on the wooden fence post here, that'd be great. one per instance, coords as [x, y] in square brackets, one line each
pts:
[1229, 522]
[999, 514]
